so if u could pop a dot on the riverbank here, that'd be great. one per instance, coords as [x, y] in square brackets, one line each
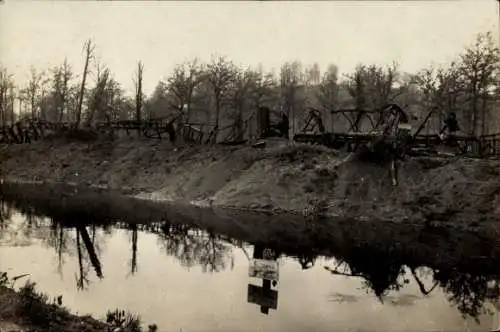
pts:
[27, 310]
[290, 178]
[18, 313]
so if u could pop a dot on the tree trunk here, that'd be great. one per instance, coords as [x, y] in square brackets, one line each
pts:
[61, 110]
[217, 109]
[484, 115]
[33, 110]
[12, 101]
[20, 105]
[474, 114]
[2, 106]
[94, 259]
[239, 124]
[188, 102]
[138, 97]
[82, 87]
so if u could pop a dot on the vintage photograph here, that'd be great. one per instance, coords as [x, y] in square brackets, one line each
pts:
[241, 166]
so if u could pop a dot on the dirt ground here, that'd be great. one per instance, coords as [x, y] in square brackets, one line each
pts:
[282, 177]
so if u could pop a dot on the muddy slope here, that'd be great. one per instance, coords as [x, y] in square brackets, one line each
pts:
[296, 178]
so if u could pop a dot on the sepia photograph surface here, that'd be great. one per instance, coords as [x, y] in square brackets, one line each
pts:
[243, 166]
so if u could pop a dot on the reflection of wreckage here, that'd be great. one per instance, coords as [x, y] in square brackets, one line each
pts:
[264, 266]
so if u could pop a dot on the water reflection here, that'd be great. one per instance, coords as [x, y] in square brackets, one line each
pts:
[195, 247]
[467, 288]
[190, 246]
[82, 235]
[462, 266]
[264, 266]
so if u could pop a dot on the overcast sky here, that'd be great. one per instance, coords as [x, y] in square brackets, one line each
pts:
[161, 34]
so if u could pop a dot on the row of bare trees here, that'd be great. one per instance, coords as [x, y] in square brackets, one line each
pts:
[469, 86]
[221, 93]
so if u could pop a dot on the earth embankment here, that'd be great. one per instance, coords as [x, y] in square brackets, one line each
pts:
[280, 177]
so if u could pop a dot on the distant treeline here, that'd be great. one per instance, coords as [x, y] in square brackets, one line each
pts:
[222, 93]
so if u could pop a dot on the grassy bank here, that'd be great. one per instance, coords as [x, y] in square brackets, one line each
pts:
[29, 310]
[291, 178]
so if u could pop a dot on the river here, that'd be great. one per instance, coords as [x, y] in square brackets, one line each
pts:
[185, 277]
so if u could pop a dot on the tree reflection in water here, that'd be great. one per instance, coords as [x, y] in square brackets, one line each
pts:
[65, 241]
[190, 246]
[196, 247]
[468, 292]
[382, 265]
[134, 239]
[82, 280]
[5, 214]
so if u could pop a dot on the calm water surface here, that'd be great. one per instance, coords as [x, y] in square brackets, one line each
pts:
[184, 279]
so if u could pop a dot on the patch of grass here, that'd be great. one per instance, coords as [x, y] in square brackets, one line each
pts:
[126, 321]
[37, 307]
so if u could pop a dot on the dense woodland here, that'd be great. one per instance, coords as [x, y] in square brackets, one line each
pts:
[222, 93]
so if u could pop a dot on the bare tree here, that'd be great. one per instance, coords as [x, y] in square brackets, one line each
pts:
[66, 76]
[7, 96]
[4, 79]
[329, 89]
[427, 83]
[220, 73]
[138, 91]
[11, 101]
[291, 79]
[72, 100]
[440, 88]
[114, 97]
[54, 102]
[479, 70]
[313, 74]
[264, 89]
[372, 86]
[327, 94]
[240, 93]
[182, 84]
[33, 90]
[89, 54]
[159, 103]
[97, 98]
